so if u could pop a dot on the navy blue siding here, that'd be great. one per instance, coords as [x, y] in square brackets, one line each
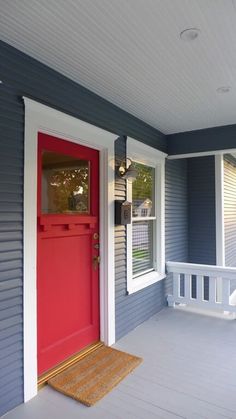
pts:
[22, 75]
[230, 209]
[11, 250]
[176, 203]
[217, 138]
[201, 218]
[133, 309]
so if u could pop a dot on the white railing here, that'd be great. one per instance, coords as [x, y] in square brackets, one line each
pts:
[211, 286]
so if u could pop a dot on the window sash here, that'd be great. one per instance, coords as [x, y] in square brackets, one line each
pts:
[149, 156]
[143, 238]
[143, 247]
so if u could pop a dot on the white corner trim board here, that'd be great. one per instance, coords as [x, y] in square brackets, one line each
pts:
[41, 118]
[150, 156]
[219, 205]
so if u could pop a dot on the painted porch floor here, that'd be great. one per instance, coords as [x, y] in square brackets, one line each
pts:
[189, 371]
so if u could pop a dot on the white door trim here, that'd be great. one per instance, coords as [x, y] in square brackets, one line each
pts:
[41, 118]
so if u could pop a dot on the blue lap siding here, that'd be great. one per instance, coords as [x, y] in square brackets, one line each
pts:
[135, 308]
[22, 75]
[131, 310]
[217, 138]
[201, 213]
[176, 223]
[11, 250]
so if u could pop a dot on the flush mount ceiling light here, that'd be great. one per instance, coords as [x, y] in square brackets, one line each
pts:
[189, 34]
[223, 89]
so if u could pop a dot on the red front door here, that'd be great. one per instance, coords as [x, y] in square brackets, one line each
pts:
[68, 249]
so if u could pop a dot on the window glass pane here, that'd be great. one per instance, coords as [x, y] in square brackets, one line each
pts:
[142, 232]
[143, 191]
[65, 184]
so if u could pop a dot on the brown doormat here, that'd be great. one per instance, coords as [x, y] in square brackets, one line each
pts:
[94, 376]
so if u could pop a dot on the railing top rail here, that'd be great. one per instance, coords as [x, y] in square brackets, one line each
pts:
[200, 269]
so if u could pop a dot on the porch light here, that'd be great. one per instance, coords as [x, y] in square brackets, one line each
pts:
[127, 171]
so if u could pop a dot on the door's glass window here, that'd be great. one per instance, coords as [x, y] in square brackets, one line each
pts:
[65, 184]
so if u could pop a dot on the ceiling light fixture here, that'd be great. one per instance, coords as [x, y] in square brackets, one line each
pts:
[189, 34]
[223, 89]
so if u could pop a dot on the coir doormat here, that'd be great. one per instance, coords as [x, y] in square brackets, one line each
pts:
[94, 376]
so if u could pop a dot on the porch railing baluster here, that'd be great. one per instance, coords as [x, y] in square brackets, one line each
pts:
[225, 291]
[187, 286]
[200, 288]
[212, 290]
[189, 270]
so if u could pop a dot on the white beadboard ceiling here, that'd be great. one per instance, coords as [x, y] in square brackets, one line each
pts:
[130, 53]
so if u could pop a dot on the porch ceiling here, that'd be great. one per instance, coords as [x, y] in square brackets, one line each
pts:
[130, 53]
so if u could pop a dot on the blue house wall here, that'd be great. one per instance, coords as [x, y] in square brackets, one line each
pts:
[201, 210]
[22, 75]
[203, 140]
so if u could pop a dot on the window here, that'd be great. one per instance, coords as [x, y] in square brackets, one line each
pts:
[145, 235]
[143, 219]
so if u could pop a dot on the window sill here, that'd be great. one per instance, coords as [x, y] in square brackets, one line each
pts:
[139, 283]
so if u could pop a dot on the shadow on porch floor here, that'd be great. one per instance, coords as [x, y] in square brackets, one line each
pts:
[188, 372]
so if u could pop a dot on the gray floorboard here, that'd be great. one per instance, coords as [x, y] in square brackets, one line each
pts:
[188, 372]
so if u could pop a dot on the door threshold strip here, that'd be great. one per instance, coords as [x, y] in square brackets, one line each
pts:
[43, 379]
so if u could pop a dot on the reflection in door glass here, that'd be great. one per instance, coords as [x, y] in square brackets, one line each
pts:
[65, 184]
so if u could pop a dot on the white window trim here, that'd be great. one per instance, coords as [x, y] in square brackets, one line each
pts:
[144, 154]
[41, 118]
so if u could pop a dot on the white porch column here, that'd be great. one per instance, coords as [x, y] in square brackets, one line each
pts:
[219, 191]
[220, 230]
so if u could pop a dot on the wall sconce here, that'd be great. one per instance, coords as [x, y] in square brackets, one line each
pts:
[127, 171]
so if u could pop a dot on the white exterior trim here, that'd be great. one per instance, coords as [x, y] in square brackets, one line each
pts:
[201, 154]
[41, 118]
[219, 204]
[144, 154]
[219, 286]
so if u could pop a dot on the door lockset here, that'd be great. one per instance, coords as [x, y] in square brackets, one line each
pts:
[96, 261]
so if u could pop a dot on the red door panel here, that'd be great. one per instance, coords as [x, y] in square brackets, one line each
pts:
[68, 283]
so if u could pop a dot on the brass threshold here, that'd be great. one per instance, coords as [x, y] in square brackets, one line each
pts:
[42, 379]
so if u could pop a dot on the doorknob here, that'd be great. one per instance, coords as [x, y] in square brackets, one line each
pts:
[96, 261]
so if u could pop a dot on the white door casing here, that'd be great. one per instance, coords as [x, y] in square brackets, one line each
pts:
[41, 118]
